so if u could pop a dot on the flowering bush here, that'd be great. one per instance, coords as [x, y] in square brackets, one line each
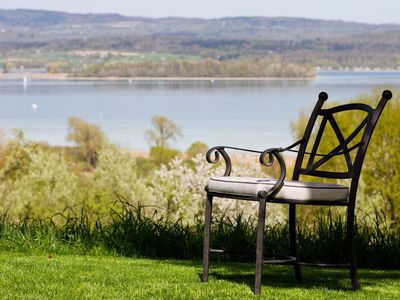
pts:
[114, 177]
[37, 181]
[179, 189]
[34, 181]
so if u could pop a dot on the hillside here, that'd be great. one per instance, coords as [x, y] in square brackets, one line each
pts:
[328, 44]
[270, 28]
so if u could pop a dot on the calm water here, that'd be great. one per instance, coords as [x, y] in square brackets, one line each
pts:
[254, 114]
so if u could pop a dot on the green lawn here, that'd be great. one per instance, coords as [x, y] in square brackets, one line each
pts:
[64, 276]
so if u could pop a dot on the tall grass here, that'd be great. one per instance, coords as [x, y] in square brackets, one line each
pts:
[129, 231]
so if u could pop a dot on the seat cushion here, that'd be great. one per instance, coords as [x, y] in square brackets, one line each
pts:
[291, 190]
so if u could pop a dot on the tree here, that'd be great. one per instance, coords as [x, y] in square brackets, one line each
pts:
[161, 155]
[195, 149]
[163, 131]
[88, 137]
[382, 162]
[380, 176]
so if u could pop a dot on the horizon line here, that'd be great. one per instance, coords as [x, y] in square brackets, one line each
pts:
[200, 18]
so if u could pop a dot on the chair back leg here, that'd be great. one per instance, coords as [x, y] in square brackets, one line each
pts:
[354, 277]
[260, 246]
[206, 243]
[351, 255]
[293, 240]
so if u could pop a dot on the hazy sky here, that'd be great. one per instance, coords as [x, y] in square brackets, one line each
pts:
[370, 11]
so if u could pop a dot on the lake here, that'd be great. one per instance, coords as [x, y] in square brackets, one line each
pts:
[254, 114]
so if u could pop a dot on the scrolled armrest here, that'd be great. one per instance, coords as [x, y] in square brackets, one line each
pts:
[220, 150]
[273, 153]
[217, 151]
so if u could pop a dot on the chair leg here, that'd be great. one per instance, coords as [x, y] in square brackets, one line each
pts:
[351, 254]
[206, 243]
[355, 283]
[293, 240]
[260, 246]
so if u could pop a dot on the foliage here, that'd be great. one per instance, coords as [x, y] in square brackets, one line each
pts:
[179, 188]
[266, 67]
[34, 181]
[37, 181]
[379, 179]
[88, 137]
[300, 42]
[382, 163]
[195, 149]
[162, 155]
[173, 189]
[115, 176]
[164, 130]
[135, 230]
[59, 67]
[176, 187]
[145, 166]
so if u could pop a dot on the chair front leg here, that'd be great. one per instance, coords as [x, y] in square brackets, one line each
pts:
[206, 243]
[293, 240]
[260, 246]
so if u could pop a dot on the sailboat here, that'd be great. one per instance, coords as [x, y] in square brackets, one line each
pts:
[25, 82]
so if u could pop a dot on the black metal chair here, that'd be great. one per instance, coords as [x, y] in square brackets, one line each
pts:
[294, 192]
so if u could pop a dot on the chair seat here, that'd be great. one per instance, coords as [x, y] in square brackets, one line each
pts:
[291, 190]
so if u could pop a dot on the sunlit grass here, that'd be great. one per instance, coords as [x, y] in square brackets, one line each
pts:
[40, 259]
[112, 277]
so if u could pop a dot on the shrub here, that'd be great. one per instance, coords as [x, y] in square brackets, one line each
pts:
[115, 174]
[162, 155]
[34, 181]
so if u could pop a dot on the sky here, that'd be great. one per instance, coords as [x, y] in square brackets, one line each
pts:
[367, 11]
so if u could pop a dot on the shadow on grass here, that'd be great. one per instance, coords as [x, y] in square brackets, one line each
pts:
[283, 277]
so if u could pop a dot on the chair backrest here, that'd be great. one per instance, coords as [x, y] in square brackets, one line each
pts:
[351, 146]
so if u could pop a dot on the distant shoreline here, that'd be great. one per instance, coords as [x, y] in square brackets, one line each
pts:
[65, 76]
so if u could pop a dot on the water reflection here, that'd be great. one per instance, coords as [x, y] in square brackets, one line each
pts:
[253, 114]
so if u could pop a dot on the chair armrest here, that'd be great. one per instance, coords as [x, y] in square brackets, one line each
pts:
[272, 154]
[220, 150]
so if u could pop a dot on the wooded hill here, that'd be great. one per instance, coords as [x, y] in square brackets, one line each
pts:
[323, 43]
